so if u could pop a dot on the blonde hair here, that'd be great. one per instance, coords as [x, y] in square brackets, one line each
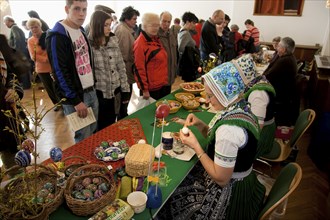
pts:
[149, 18]
[32, 22]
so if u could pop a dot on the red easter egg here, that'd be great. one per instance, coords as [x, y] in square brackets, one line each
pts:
[162, 111]
[28, 145]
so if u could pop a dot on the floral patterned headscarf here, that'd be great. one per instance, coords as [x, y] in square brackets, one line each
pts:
[229, 79]
[225, 82]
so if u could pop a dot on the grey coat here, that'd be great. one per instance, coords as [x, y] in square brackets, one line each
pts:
[170, 43]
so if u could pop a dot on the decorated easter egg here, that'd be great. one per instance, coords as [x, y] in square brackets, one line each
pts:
[49, 186]
[23, 158]
[43, 193]
[162, 111]
[78, 186]
[87, 193]
[96, 180]
[78, 195]
[56, 154]
[98, 194]
[28, 145]
[104, 144]
[86, 181]
[104, 187]
[92, 187]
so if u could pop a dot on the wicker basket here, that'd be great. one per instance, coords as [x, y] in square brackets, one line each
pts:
[24, 185]
[183, 96]
[192, 87]
[171, 103]
[190, 104]
[138, 158]
[82, 207]
[72, 163]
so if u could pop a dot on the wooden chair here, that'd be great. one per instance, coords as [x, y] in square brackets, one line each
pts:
[281, 149]
[285, 183]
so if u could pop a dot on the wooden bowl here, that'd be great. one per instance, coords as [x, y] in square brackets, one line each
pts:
[200, 99]
[174, 105]
[183, 96]
[203, 94]
[192, 87]
[190, 104]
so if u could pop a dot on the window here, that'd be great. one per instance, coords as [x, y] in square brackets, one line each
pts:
[278, 7]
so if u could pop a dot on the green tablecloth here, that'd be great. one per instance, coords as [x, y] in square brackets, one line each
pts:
[176, 169]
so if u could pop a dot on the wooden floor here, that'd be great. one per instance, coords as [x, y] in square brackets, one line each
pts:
[309, 202]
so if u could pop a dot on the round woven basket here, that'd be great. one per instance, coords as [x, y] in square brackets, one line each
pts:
[172, 109]
[72, 163]
[82, 207]
[27, 186]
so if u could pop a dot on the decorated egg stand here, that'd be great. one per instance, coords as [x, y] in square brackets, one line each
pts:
[34, 194]
[153, 191]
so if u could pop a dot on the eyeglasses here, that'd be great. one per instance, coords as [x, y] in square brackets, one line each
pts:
[209, 96]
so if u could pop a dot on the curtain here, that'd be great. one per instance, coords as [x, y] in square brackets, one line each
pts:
[269, 7]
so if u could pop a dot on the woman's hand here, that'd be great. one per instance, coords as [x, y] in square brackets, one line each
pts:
[11, 96]
[192, 120]
[191, 140]
[146, 95]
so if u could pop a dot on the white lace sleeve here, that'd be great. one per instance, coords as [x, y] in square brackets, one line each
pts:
[229, 139]
[259, 101]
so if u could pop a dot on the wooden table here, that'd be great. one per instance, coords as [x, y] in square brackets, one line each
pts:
[176, 169]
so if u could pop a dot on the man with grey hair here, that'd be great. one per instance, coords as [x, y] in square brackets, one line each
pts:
[282, 75]
[169, 41]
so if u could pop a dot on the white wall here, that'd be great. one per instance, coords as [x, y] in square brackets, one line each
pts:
[309, 29]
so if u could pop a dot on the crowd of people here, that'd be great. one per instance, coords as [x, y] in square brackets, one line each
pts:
[96, 66]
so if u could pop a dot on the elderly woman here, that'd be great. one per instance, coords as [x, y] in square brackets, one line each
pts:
[282, 75]
[189, 59]
[275, 42]
[222, 185]
[38, 53]
[150, 59]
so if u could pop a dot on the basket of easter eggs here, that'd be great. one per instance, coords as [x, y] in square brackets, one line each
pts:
[192, 87]
[89, 189]
[33, 195]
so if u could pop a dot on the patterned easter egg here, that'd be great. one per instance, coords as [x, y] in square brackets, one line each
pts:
[87, 193]
[86, 181]
[104, 144]
[104, 187]
[56, 154]
[49, 186]
[92, 187]
[98, 194]
[23, 158]
[28, 145]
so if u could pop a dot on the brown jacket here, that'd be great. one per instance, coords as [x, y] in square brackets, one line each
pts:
[126, 38]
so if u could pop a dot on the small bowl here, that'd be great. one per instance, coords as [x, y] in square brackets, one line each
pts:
[192, 87]
[203, 94]
[138, 201]
[200, 99]
[190, 104]
[174, 105]
[183, 96]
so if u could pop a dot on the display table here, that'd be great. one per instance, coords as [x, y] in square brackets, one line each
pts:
[142, 128]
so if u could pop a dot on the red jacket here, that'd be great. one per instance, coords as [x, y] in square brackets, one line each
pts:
[150, 59]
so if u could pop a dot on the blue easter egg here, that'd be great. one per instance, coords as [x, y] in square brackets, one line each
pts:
[56, 154]
[23, 158]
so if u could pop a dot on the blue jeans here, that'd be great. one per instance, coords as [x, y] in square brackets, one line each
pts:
[90, 100]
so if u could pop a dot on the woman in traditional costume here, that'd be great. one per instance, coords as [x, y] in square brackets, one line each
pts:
[222, 185]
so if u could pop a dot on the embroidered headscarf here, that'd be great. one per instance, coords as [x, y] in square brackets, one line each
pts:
[246, 67]
[229, 79]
